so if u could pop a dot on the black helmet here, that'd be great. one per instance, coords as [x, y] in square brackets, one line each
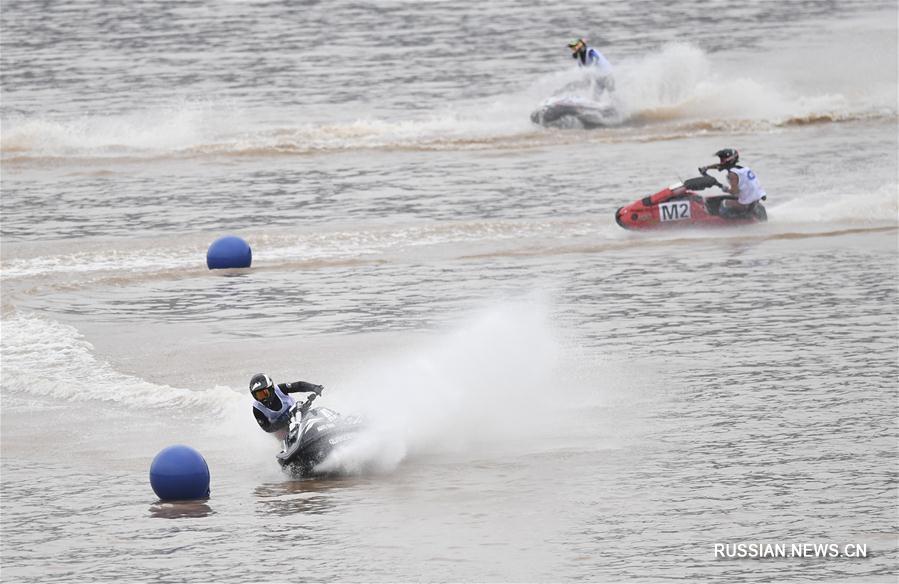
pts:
[261, 387]
[728, 157]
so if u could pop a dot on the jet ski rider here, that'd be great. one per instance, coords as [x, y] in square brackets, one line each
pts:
[587, 56]
[743, 184]
[272, 402]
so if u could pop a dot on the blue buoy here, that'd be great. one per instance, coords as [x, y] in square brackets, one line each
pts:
[229, 251]
[179, 473]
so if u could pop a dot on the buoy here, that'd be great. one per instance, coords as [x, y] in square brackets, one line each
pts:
[229, 251]
[179, 473]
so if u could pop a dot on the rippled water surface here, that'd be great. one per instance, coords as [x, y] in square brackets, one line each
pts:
[555, 398]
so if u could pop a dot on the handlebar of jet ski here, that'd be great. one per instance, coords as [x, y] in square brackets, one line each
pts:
[304, 407]
[704, 171]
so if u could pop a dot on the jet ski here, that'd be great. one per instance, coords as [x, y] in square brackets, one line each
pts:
[680, 206]
[586, 103]
[313, 434]
[574, 112]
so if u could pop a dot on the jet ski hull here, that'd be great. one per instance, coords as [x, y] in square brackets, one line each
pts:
[572, 113]
[312, 437]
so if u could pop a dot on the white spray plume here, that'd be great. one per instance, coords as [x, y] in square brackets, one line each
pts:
[482, 385]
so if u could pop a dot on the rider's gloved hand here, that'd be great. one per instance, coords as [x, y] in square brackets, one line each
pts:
[318, 389]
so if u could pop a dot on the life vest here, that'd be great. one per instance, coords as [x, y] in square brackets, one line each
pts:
[276, 417]
[593, 58]
[748, 188]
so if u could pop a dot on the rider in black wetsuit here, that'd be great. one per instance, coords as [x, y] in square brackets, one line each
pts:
[273, 402]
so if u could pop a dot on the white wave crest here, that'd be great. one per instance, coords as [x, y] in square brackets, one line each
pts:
[50, 359]
[156, 131]
[876, 206]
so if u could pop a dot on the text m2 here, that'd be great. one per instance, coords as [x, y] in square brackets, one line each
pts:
[674, 210]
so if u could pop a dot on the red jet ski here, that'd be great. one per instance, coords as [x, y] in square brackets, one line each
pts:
[680, 206]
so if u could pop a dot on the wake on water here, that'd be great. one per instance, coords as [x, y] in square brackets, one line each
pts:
[473, 386]
[128, 262]
[674, 90]
[865, 208]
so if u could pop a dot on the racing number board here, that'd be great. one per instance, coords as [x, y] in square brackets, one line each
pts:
[674, 210]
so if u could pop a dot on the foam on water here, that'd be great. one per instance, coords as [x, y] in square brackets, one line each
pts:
[873, 207]
[48, 365]
[109, 260]
[53, 360]
[177, 127]
[152, 256]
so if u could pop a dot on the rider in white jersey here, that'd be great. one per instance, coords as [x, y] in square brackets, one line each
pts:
[596, 63]
[589, 56]
[742, 183]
